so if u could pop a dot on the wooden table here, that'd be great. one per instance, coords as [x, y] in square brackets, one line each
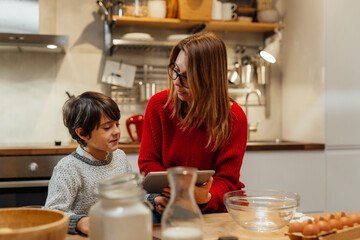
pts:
[221, 224]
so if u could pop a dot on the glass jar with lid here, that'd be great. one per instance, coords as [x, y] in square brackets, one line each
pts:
[121, 211]
[136, 8]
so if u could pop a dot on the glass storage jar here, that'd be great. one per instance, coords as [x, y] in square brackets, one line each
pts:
[157, 8]
[182, 217]
[121, 212]
[136, 8]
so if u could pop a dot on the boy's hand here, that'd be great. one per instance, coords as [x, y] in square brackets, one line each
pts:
[161, 203]
[83, 225]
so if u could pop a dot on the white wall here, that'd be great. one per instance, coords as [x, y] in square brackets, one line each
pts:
[302, 65]
[33, 85]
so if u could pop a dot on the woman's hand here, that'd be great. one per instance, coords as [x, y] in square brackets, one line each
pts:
[201, 193]
[83, 225]
[161, 203]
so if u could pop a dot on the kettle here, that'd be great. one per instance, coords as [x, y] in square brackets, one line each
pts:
[138, 121]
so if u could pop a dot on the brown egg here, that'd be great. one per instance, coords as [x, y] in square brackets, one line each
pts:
[355, 218]
[296, 227]
[335, 224]
[327, 217]
[324, 226]
[345, 221]
[339, 215]
[311, 229]
[318, 218]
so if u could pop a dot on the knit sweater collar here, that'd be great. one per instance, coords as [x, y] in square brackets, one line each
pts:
[86, 157]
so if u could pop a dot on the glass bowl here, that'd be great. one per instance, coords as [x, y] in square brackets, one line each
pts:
[261, 210]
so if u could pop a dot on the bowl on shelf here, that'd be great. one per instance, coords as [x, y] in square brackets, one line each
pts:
[261, 210]
[268, 16]
[32, 224]
[244, 19]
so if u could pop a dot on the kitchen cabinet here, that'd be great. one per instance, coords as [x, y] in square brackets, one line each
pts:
[342, 115]
[342, 76]
[303, 172]
[343, 180]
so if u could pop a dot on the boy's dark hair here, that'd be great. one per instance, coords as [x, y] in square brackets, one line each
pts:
[85, 110]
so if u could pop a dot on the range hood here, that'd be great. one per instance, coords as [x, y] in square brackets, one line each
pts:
[16, 42]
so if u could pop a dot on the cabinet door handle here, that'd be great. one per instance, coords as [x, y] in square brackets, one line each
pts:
[22, 184]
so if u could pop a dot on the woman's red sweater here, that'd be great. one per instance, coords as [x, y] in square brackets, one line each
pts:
[165, 145]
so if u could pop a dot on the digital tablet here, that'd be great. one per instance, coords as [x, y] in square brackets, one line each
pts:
[154, 182]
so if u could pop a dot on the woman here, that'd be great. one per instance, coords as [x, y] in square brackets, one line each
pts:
[195, 123]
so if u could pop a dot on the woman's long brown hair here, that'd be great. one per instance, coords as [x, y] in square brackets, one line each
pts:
[208, 83]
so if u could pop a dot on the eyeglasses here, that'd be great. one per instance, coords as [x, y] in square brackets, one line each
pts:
[175, 74]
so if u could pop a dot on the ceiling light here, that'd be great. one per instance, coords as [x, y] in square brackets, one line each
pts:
[51, 46]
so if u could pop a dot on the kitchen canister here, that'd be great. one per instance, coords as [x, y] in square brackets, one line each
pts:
[121, 212]
[262, 71]
[246, 70]
[157, 8]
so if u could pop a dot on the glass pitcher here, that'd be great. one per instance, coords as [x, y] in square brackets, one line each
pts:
[182, 218]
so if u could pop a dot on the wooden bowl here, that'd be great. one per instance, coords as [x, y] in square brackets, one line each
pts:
[32, 224]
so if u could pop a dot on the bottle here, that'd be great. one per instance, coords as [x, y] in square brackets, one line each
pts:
[121, 213]
[182, 217]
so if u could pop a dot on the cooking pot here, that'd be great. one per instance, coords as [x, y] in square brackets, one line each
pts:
[137, 121]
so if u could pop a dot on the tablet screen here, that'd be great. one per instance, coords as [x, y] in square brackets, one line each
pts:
[154, 182]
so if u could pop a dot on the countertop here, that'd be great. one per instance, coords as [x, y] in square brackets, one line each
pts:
[221, 224]
[135, 147]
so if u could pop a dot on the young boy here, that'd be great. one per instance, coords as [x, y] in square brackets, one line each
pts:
[93, 121]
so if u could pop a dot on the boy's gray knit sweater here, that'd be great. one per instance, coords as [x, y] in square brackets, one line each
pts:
[73, 187]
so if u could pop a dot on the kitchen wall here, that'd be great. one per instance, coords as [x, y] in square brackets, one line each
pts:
[33, 85]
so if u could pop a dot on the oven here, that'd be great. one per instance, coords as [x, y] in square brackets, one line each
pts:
[24, 179]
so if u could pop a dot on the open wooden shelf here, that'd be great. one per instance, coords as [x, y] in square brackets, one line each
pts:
[174, 23]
